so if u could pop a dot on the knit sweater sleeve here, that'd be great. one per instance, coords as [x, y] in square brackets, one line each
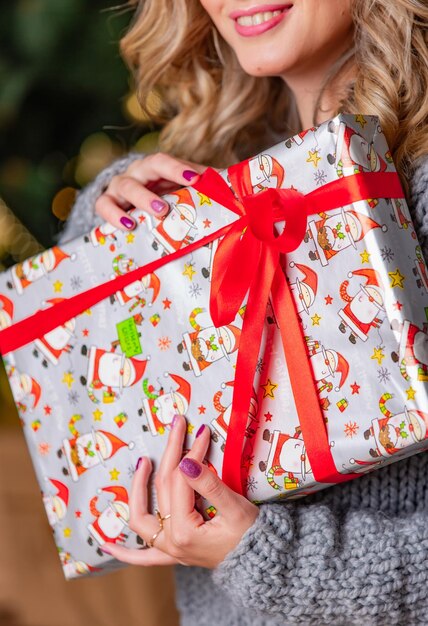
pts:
[83, 217]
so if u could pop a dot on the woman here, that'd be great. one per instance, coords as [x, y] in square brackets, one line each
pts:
[235, 75]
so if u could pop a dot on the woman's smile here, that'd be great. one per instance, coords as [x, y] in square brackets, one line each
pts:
[258, 20]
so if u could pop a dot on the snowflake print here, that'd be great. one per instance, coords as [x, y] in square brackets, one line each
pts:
[251, 484]
[164, 343]
[73, 398]
[383, 375]
[131, 471]
[195, 290]
[387, 254]
[351, 429]
[320, 177]
[259, 366]
[75, 282]
[44, 448]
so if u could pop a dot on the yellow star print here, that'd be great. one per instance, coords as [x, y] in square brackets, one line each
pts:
[130, 238]
[360, 119]
[397, 279]
[268, 389]
[365, 256]
[378, 355]
[57, 286]
[316, 319]
[97, 415]
[314, 157]
[189, 271]
[203, 199]
[114, 474]
[411, 393]
[67, 532]
[190, 428]
[68, 379]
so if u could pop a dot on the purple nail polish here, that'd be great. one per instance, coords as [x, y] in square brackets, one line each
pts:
[190, 467]
[175, 420]
[158, 205]
[200, 430]
[105, 549]
[127, 222]
[189, 174]
[138, 463]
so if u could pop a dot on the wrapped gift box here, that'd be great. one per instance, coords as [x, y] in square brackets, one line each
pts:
[304, 348]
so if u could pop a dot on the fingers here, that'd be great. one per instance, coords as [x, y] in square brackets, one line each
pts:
[152, 556]
[140, 520]
[135, 188]
[182, 493]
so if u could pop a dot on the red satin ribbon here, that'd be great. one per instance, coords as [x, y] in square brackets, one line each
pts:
[247, 261]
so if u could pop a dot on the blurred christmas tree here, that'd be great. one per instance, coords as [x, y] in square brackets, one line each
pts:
[65, 106]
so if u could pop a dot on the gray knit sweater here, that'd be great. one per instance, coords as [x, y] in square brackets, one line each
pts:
[355, 554]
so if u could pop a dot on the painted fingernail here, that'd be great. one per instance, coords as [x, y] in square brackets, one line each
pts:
[200, 430]
[158, 205]
[138, 463]
[189, 174]
[105, 549]
[127, 222]
[175, 420]
[190, 467]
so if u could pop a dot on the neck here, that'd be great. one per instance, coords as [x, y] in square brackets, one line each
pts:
[307, 85]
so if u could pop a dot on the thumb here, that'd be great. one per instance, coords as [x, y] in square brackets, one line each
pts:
[210, 486]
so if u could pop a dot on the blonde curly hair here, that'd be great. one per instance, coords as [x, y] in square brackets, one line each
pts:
[214, 113]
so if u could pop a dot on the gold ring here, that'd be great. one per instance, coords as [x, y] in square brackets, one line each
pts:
[161, 520]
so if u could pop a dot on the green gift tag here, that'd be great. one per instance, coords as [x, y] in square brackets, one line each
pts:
[129, 337]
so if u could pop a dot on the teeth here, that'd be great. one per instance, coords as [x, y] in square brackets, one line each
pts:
[257, 18]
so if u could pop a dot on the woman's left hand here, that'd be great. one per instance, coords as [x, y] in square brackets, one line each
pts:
[186, 537]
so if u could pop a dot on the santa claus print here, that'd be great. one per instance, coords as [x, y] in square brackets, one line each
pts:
[394, 432]
[6, 312]
[161, 405]
[304, 287]
[420, 270]
[353, 153]
[56, 342]
[332, 233]
[400, 214]
[88, 450]
[412, 354]
[56, 504]
[101, 235]
[35, 268]
[209, 345]
[366, 309]
[178, 228]
[110, 524]
[326, 364]
[260, 173]
[287, 460]
[139, 291]
[73, 568]
[299, 138]
[221, 422]
[25, 389]
[109, 373]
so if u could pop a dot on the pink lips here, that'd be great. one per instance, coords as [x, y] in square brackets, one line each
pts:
[258, 29]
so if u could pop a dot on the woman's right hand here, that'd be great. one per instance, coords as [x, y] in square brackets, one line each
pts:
[141, 185]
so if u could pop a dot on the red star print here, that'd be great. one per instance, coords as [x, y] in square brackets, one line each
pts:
[166, 303]
[202, 409]
[85, 332]
[78, 514]
[268, 416]
[328, 299]
[207, 223]
[355, 388]
[142, 218]
[47, 409]
[398, 306]
[112, 247]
